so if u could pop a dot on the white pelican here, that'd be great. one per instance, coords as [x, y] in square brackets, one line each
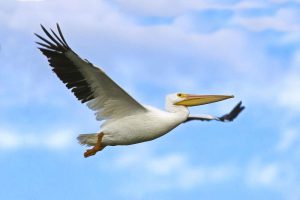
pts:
[126, 120]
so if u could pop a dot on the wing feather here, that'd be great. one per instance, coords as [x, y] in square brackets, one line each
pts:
[88, 83]
[225, 118]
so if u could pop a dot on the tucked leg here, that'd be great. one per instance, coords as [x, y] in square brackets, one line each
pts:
[96, 148]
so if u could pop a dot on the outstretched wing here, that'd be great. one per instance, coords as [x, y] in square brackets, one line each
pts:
[88, 83]
[225, 118]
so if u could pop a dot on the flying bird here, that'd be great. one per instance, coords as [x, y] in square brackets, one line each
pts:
[126, 121]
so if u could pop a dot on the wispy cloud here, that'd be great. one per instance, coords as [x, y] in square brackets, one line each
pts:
[11, 140]
[285, 20]
[281, 177]
[288, 95]
[262, 175]
[166, 172]
[30, 0]
[163, 8]
[283, 1]
[287, 139]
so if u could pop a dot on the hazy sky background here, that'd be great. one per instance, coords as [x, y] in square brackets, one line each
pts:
[249, 48]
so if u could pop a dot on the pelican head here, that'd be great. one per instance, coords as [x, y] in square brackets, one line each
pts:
[188, 100]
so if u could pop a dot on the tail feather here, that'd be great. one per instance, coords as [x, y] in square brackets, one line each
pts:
[88, 139]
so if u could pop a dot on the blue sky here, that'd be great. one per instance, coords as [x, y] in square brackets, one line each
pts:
[248, 48]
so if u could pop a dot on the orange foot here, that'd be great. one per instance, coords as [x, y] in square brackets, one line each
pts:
[96, 148]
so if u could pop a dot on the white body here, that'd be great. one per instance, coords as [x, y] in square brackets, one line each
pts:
[141, 127]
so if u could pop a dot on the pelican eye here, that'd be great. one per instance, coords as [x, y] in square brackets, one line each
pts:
[180, 95]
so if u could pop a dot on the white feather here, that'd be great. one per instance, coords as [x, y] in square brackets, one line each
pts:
[110, 100]
[141, 127]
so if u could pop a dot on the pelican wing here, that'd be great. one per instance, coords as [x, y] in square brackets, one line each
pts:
[225, 118]
[88, 83]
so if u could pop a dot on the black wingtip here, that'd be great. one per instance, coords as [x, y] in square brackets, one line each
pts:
[233, 113]
[43, 45]
[61, 35]
[53, 42]
[240, 106]
[43, 28]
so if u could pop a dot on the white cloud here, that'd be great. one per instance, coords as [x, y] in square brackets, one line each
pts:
[288, 95]
[171, 8]
[285, 19]
[279, 176]
[85, 14]
[60, 140]
[290, 38]
[11, 140]
[287, 139]
[30, 0]
[157, 8]
[248, 4]
[166, 165]
[174, 171]
[283, 1]
[165, 172]
[262, 175]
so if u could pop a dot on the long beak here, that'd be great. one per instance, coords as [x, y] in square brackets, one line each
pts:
[195, 100]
